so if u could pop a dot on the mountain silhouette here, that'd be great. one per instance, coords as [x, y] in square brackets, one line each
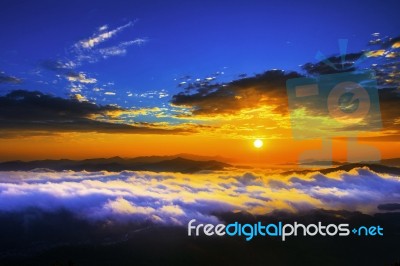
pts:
[378, 168]
[117, 164]
[387, 162]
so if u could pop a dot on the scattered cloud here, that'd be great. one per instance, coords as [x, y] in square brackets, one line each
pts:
[376, 53]
[151, 94]
[57, 65]
[103, 28]
[336, 66]
[91, 50]
[384, 55]
[4, 78]
[80, 97]
[98, 38]
[80, 77]
[244, 106]
[120, 49]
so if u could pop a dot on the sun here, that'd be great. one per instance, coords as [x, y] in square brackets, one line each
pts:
[258, 143]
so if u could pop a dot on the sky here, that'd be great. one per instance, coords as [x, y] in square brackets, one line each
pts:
[84, 79]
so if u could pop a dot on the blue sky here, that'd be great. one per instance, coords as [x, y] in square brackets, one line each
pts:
[158, 43]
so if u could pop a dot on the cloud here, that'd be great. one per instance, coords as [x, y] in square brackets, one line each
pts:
[389, 98]
[102, 36]
[66, 69]
[174, 198]
[120, 49]
[336, 66]
[80, 77]
[376, 53]
[389, 207]
[357, 188]
[204, 90]
[9, 79]
[103, 28]
[268, 88]
[122, 206]
[149, 94]
[393, 42]
[35, 112]
[91, 50]
[56, 65]
[34, 105]
[384, 55]
[80, 97]
[379, 49]
[245, 106]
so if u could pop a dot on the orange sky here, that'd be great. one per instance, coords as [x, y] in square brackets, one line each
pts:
[95, 145]
[219, 126]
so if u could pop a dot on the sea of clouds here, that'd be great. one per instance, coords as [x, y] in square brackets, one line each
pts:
[175, 198]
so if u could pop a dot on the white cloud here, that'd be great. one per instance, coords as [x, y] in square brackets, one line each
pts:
[88, 50]
[173, 197]
[122, 206]
[120, 49]
[80, 77]
[96, 39]
[103, 28]
[173, 210]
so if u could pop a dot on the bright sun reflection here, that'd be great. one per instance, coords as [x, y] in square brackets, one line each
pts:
[258, 143]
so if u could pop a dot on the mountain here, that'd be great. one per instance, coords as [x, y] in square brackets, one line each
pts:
[348, 167]
[117, 164]
[153, 159]
[320, 163]
[386, 162]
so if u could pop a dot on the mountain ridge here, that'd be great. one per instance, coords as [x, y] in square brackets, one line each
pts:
[378, 168]
[154, 164]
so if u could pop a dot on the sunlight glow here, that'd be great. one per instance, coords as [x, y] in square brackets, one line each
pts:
[258, 143]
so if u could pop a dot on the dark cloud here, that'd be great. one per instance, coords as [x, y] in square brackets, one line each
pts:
[8, 79]
[390, 42]
[24, 111]
[337, 67]
[35, 105]
[389, 207]
[66, 70]
[54, 65]
[386, 61]
[268, 88]
[389, 99]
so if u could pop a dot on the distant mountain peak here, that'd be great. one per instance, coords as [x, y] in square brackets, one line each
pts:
[378, 168]
[116, 163]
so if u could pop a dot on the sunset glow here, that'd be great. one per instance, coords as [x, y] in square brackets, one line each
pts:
[127, 125]
[258, 143]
